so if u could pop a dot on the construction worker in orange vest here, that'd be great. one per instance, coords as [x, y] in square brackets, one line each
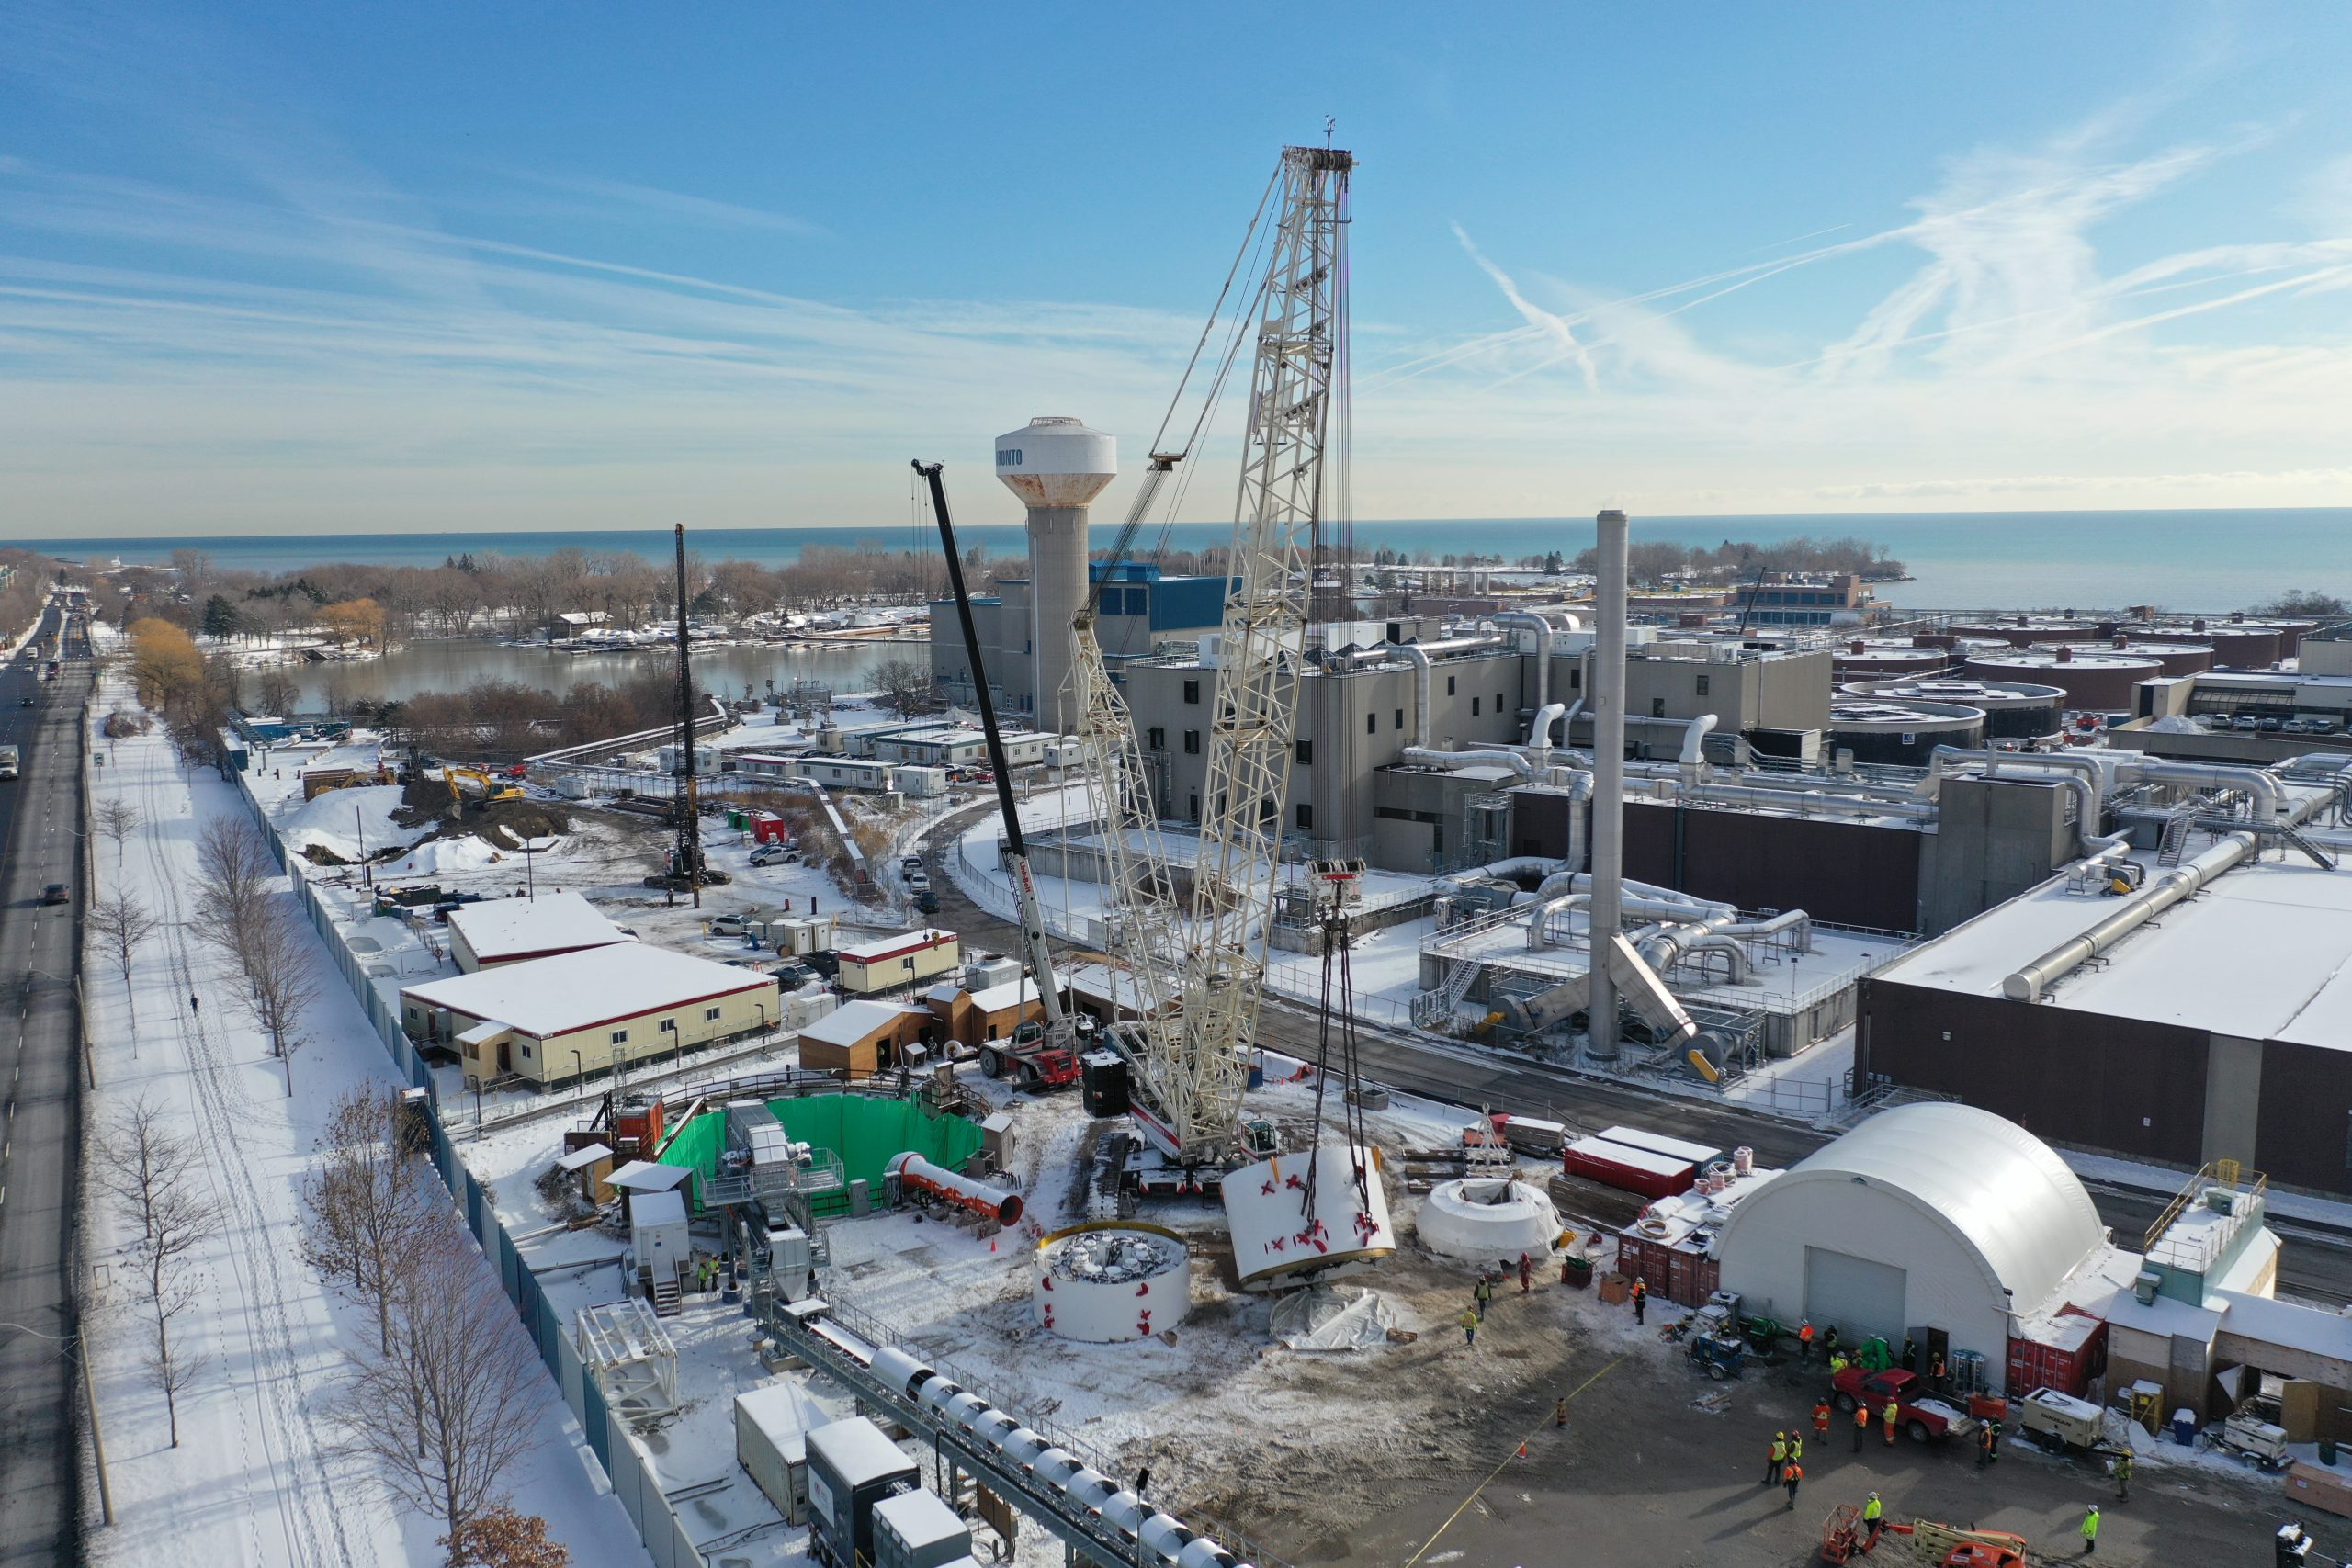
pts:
[1641, 1301]
[1862, 1422]
[1893, 1413]
[1821, 1420]
[1791, 1477]
[1804, 1340]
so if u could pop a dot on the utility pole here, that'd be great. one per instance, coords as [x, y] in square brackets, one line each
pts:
[689, 808]
[98, 1439]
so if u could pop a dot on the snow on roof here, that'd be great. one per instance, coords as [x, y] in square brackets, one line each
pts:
[484, 1033]
[547, 997]
[500, 929]
[2316, 1331]
[1011, 994]
[644, 1176]
[657, 1208]
[920, 1520]
[895, 946]
[582, 1158]
[1104, 984]
[2278, 930]
[1993, 1186]
[857, 1451]
[853, 1022]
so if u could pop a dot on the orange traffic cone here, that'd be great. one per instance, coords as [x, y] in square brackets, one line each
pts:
[1523, 1448]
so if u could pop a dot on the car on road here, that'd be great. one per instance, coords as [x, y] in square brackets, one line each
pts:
[918, 881]
[25, 702]
[1923, 1417]
[927, 902]
[53, 894]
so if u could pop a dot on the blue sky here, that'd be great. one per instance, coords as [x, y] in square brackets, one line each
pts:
[305, 268]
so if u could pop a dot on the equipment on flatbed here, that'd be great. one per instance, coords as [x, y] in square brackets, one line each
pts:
[1844, 1537]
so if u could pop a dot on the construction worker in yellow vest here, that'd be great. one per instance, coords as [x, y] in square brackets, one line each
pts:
[1891, 1413]
[2090, 1531]
[1873, 1520]
[1780, 1457]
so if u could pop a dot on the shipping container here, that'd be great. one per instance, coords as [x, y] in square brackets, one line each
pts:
[852, 1466]
[1659, 1144]
[2065, 1354]
[771, 1446]
[1629, 1170]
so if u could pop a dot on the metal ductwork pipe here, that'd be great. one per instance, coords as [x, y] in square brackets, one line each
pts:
[1561, 881]
[1426, 757]
[1539, 934]
[1539, 734]
[2029, 984]
[1543, 631]
[1421, 686]
[1694, 738]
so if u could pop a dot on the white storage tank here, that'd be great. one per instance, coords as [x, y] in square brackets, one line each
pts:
[1277, 1243]
[1111, 1281]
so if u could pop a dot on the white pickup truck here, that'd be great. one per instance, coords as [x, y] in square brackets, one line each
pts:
[9, 761]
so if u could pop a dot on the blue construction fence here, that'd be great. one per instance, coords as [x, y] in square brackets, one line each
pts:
[608, 1438]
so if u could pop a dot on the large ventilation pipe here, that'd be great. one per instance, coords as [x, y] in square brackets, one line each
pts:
[1608, 771]
[912, 1172]
[1421, 687]
[2028, 983]
[1424, 756]
[1693, 759]
[1672, 946]
[1539, 922]
[1543, 631]
[1561, 881]
[1539, 734]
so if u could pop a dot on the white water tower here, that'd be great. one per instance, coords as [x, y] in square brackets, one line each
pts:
[1056, 466]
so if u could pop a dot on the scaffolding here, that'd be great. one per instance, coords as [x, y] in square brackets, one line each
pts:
[625, 1348]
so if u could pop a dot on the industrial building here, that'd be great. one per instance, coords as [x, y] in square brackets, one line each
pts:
[2216, 1032]
[859, 1039]
[1924, 1220]
[554, 1020]
[511, 931]
[894, 963]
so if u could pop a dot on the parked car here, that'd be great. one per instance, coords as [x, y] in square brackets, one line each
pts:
[792, 976]
[2273, 726]
[909, 866]
[918, 881]
[824, 964]
[774, 854]
[53, 894]
[1923, 1417]
[927, 902]
[727, 925]
[2246, 722]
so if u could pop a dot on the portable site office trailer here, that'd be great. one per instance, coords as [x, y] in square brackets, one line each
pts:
[657, 1234]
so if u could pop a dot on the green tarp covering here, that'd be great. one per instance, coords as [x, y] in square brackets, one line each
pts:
[864, 1131]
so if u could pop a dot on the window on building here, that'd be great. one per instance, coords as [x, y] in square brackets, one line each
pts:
[1192, 691]
[1306, 817]
[1449, 685]
[1575, 678]
[1193, 806]
[1499, 702]
[526, 1051]
[1657, 707]
[1473, 705]
[668, 1026]
[1192, 743]
[1303, 753]
[620, 1036]
[991, 1031]
[1400, 720]
[1156, 738]
[710, 1015]
[1703, 686]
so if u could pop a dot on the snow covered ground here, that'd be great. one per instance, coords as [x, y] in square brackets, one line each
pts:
[256, 1478]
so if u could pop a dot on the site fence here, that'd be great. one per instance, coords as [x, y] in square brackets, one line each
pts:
[607, 1435]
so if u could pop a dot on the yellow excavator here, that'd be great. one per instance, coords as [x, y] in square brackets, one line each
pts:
[491, 789]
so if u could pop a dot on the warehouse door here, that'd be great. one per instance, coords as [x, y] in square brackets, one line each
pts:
[1860, 1296]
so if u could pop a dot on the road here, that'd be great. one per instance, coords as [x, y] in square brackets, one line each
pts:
[39, 1149]
[2314, 1264]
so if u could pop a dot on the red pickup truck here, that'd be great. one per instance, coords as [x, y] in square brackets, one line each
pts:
[1923, 1416]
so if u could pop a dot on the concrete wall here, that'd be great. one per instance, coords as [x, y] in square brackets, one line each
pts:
[1994, 838]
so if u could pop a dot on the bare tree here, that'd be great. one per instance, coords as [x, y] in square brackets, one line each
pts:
[117, 819]
[120, 925]
[233, 868]
[278, 693]
[906, 685]
[155, 1175]
[372, 1201]
[274, 961]
[445, 1410]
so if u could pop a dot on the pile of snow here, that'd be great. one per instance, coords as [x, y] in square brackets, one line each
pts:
[2178, 724]
[442, 856]
[342, 820]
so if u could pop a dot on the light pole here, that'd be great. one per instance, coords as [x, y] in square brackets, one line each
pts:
[579, 1075]
[77, 1348]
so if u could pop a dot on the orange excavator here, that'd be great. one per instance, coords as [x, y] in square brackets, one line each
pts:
[1931, 1545]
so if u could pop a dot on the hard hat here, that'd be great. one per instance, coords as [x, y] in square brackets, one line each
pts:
[1780, 1434]
[1873, 1496]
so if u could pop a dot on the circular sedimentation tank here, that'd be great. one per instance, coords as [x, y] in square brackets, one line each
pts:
[2023, 631]
[2013, 710]
[1111, 1281]
[1864, 659]
[2096, 682]
[1902, 731]
[2172, 657]
[1488, 1217]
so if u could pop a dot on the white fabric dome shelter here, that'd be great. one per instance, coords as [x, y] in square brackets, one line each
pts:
[1939, 1216]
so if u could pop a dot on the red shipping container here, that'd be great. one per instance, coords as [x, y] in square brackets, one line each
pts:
[2064, 1355]
[1628, 1170]
[768, 828]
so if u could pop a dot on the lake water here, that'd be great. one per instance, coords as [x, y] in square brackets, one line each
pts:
[2004, 561]
[450, 666]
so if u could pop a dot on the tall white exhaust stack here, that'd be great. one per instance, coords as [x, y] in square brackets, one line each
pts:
[1056, 466]
[1608, 779]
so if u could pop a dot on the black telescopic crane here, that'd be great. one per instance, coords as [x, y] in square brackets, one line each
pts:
[1061, 1029]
